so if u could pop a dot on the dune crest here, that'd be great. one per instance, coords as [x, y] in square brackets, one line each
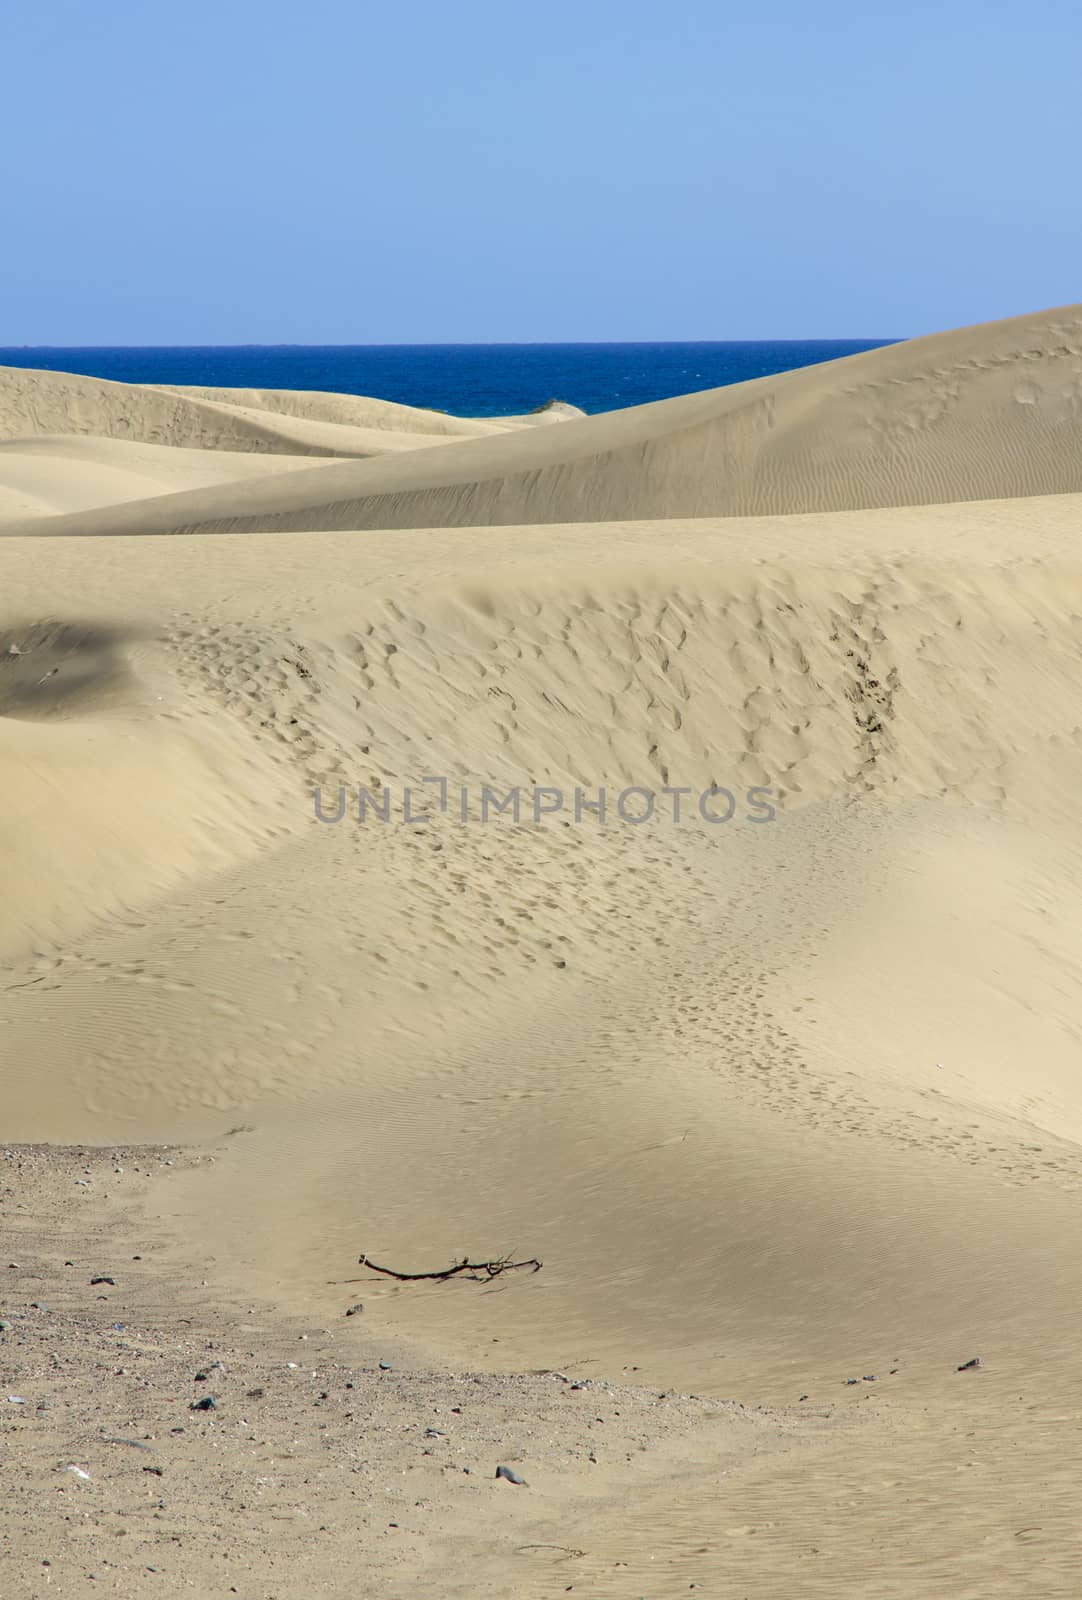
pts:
[260, 421]
[983, 413]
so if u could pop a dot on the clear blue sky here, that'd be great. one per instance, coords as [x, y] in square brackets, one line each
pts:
[341, 171]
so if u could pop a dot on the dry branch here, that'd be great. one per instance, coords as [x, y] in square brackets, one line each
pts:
[480, 1271]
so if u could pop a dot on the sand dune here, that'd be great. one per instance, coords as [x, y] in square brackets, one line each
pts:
[790, 1111]
[36, 403]
[985, 413]
[360, 411]
[47, 474]
[116, 443]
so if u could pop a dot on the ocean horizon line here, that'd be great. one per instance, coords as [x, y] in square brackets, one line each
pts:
[876, 340]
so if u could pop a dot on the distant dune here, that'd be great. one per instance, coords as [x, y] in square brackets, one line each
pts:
[264, 421]
[985, 413]
[51, 474]
[358, 411]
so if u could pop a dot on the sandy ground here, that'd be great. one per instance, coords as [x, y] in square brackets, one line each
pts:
[790, 1111]
[115, 1469]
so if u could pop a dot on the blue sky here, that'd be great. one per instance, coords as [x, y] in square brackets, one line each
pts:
[489, 170]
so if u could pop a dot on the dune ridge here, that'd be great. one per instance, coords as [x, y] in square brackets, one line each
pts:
[982, 413]
[260, 421]
[360, 411]
[51, 474]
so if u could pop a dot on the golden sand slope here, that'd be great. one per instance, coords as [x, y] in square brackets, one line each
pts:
[264, 421]
[984, 413]
[47, 474]
[778, 1106]
[315, 405]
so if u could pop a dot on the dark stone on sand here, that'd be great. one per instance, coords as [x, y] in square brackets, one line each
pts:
[509, 1475]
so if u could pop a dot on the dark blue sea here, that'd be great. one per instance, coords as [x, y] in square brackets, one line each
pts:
[469, 380]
